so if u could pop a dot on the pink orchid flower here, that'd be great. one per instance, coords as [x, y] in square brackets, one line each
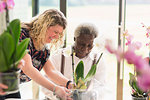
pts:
[141, 65]
[2, 6]
[148, 30]
[108, 46]
[135, 46]
[119, 52]
[129, 39]
[144, 81]
[9, 3]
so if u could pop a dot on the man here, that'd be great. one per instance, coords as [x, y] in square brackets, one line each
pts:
[84, 36]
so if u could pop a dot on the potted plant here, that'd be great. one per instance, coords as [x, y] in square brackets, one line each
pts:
[137, 93]
[11, 52]
[82, 83]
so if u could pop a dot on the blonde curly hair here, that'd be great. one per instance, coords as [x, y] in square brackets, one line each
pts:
[37, 28]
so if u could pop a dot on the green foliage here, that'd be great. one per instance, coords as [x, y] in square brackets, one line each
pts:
[80, 80]
[91, 73]
[136, 91]
[79, 72]
[11, 50]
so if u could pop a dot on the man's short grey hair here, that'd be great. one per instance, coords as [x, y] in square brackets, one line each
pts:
[86, 28]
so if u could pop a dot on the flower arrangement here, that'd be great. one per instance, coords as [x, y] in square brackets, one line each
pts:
[11, 50]
[136, 91]
[80, 80]
[140, 82]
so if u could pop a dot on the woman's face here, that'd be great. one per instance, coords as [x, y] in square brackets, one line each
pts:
[53, 32]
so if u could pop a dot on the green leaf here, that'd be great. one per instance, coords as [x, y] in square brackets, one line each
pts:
[21, 49]
[8, 46]
[14, 29]
[133, 84]
[91, 73]
[99, 58]
[11, 51]
[132, 79]
[137, 89]
[81, 84]
[79, 72]
[3, 64]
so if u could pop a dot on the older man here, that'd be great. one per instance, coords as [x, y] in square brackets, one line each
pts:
[84, 36]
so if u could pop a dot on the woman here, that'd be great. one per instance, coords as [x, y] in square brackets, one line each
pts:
[45, 29]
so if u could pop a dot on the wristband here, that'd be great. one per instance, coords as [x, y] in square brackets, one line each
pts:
[68, 84]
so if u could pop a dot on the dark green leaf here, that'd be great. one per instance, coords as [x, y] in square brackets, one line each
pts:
[91, 73]
[3, 64]
[99, 58]
[8, 46]
[21, 49]
[133, 84]
[14, 29]
[79, 72]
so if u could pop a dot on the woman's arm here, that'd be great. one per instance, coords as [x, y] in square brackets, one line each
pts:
[54, 74]
[35, 75]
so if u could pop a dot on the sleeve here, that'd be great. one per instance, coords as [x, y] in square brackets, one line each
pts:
[22, 35]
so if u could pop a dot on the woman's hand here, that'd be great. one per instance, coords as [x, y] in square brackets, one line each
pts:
[63, 93]
[21, 64]
[71, 85]
[2, 86]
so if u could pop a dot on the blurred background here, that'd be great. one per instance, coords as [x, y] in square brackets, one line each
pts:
[105, 15]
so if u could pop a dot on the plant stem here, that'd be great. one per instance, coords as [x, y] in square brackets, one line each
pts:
[99, 58]
[73, 54]
[149, 57]
[7, 15]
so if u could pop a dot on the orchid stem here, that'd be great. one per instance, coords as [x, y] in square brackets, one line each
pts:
[73, 54]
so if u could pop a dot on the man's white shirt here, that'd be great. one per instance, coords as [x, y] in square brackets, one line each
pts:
[99, 78]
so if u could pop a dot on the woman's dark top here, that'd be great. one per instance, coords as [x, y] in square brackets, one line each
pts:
[39, 58]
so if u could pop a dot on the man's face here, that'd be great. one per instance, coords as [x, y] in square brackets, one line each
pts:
[83, 45]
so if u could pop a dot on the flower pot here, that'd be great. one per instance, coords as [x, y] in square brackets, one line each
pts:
[78, 94]
[11, 79]
[83, 94]
[139, 98]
